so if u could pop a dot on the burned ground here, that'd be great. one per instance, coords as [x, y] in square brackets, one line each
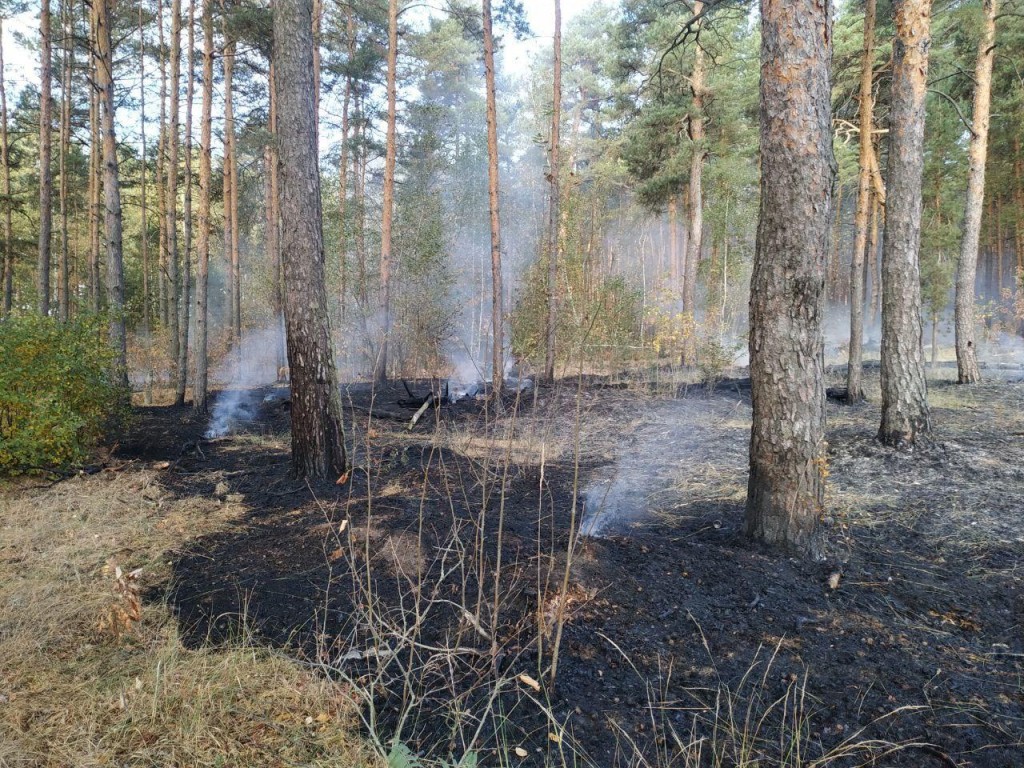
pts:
[681, 639]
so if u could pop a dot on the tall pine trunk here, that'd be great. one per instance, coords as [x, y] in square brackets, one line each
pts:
[200, 383]
[854, 370]
[553, 215]
[905, 417]
[111, 188]
[696, 195]
[350, 35]
[171, 201]
[186, 262]
[380, 365]
[45, 156]
[318, 439]
[785, 494]
[64, 261]
[497, 291]
[95, 177]
[234, 320]
[5, 161]
[966, 348]
[147, 308]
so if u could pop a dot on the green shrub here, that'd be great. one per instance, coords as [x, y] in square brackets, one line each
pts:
[58, 392]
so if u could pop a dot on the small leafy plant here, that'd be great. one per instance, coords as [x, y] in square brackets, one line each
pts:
[58, 391]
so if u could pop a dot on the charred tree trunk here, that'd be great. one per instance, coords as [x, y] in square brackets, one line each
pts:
[497, 292]
[111, 189]
[318, 440]
[785, 494]
[966, 348]
[553, 208]
[199, 384]
[854, 369]
[45, 156]
[380, 366]
[905, 417]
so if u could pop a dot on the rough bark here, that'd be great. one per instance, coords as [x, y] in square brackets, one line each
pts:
[785, 493]
[64, 259]
[147, 309]
[877, 222]
[95, 179]
[854, 370]
[966, 348]
[111, 188]
[350, 34]
[318, 442]
[673, 242]
[553, 206]
[45, 157]
[696, 195]
[171, 201]
[380, 364]
[8, 231]
[274, 224]
[186, 261]
[200, 383]
[230, 170]
[905, 417]
[161, 169]
[497, 292]
[318, 11]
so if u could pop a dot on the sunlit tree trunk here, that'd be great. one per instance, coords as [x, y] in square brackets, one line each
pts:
[8, 232]
[186, 261]
[673, 241]
[318, 12]
[854, 388]
[111, 187]
[966, 348]
[380, 368]
[696, 190]
[274, 224]
[318, 439]
[95, 178]
[147, 308]
[45, 156]
[350, 33]
[553, 214]
[231, 252]
[905, 417]
[497, 291]
[161, 169]
[171, 201]
[64, 259]
[359, 201]
[785, 493]
[200, 383]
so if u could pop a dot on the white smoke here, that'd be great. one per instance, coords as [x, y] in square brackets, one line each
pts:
[255, 365]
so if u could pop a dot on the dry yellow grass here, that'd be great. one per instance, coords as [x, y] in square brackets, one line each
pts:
[77, 690]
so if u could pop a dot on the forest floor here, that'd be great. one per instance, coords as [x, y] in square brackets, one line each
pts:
[424, 585]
